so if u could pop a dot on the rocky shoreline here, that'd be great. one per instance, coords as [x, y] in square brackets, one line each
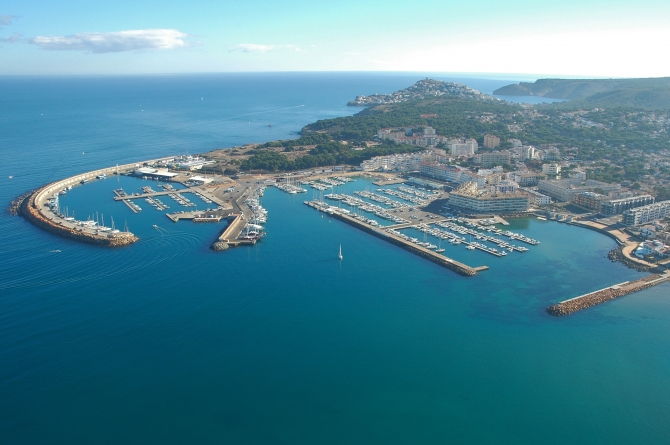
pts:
[616, 256]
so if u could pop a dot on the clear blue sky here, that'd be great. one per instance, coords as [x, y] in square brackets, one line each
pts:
[570, 38]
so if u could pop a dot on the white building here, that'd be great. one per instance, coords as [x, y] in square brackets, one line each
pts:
[537, 198]
[645, 214]
[551, 169]
[468, 176]
[526, 152]
[462, 148]
[566, 189]
[449, 173]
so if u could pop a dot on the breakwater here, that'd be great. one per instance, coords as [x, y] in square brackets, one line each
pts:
[35, 215]
[34, 208]
[610, 293]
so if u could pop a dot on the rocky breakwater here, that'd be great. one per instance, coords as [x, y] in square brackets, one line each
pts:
[29, 207]
[585, 301]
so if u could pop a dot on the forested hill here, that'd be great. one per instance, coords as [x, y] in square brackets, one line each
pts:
[651, 93]
[449, 116]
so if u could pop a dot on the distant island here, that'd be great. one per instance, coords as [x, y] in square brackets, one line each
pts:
[650, 93]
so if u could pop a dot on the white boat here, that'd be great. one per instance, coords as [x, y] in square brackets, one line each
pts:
[340, 255]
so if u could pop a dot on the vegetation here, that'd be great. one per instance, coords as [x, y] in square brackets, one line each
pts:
[608, 93]
[327, 153]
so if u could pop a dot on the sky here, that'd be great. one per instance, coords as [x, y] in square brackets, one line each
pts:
[569, 38]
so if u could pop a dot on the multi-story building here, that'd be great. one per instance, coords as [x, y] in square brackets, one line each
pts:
[449, 173]
[506, 187]
[470, 198]
[468, 176]
[491, 141]
[551, 169]
[491, 159]
[398, 162]
[645, 214]
[462, 148]
[618, 206]
[526, 152]
[566, 189]
[527, 179]
[590, 200]
[537, 198]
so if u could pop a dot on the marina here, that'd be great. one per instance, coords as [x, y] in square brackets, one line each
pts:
[370, 226]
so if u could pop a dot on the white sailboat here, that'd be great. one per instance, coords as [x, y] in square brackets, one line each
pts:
[340, 255]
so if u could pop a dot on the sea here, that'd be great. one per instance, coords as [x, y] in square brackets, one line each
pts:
[168, 342]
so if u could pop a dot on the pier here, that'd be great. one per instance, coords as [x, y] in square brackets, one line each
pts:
[458, 267]
[572, 305]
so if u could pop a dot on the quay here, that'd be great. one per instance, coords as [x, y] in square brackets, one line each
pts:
[572, 305]
[460, 268]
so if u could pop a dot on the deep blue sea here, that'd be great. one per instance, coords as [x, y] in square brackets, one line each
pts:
[169, 342]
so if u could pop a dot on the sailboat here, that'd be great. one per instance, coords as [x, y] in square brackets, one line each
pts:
[340, 255]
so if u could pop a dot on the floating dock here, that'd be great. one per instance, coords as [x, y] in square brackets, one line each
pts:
[567, 307]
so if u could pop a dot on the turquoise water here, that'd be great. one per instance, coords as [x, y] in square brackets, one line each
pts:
[169, 342]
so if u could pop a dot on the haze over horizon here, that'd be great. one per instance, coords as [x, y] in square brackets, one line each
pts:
[593, 38]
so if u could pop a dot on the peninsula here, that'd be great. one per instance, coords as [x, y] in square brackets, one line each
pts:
[651, 93]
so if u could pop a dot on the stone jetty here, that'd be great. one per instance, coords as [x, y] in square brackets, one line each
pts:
[610, 293]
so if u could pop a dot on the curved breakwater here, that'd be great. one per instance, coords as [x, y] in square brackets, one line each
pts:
[34, 208]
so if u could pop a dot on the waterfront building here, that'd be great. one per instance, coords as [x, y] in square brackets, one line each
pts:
[494, 158]
[551, 169]
[618, 206]
[491, 141]
[425, 183]
[537, 198]
[155, 173]
[566, 189]
[645, 214]
[449, 173]
[590, 200]
[655, 248]
[470, 198]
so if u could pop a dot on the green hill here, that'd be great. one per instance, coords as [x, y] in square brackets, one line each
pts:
[651, 93]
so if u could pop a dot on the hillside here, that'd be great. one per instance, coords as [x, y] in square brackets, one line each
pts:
[652, 93]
